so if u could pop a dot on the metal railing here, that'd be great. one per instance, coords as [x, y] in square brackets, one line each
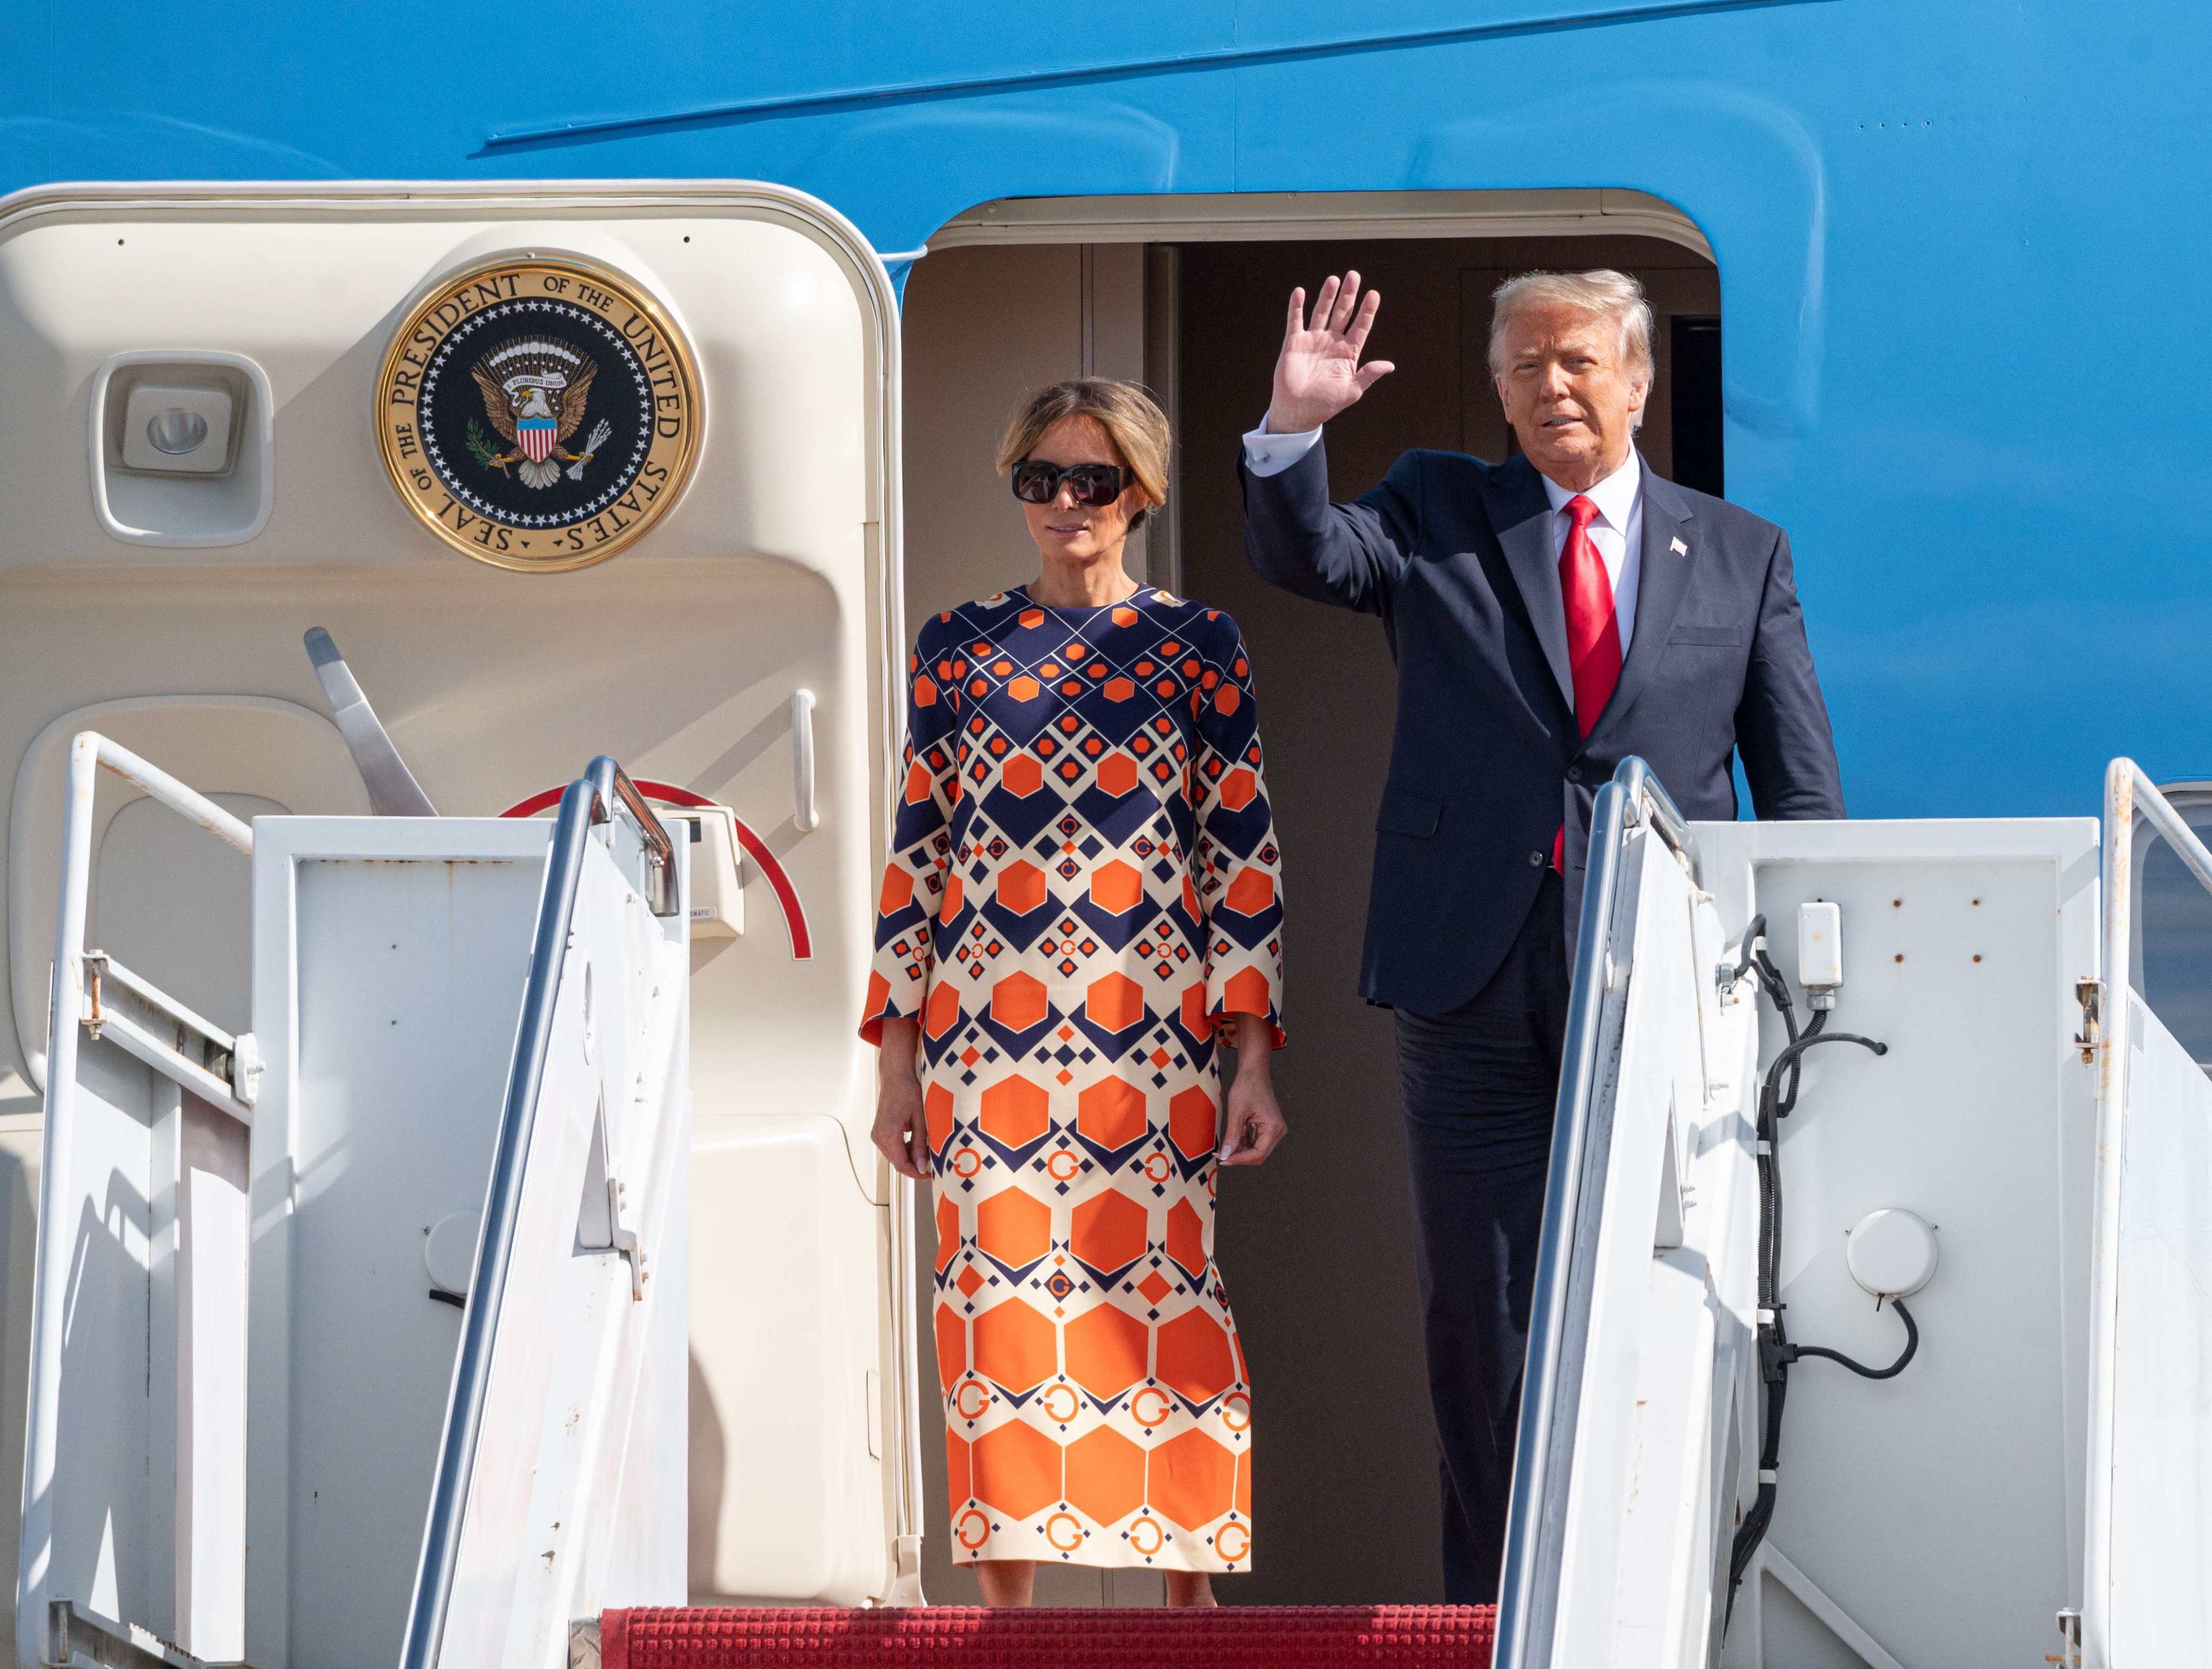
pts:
[1581, 1131]
[218, 1068]
[1646, 796]
[111, 1001]
[593, 798]
[612, 787]
[196, 1053]
[2127, 794]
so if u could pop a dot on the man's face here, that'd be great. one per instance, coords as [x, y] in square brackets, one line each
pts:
[1572, 402]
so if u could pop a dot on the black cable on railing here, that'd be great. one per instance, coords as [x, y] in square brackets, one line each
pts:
[1776, 1101]
[1754, 938]
[1911, 1348]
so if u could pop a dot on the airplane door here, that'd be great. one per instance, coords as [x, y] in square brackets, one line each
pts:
[569, 469]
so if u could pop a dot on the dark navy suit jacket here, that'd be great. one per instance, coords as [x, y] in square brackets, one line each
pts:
[1456, 557]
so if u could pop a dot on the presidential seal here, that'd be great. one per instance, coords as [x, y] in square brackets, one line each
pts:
[539, 412]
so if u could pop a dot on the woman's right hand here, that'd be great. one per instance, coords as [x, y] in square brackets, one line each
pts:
[902, 1131]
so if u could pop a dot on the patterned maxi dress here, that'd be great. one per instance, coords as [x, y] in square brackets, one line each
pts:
[1083, 879]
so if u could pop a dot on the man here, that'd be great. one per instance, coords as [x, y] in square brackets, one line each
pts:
[1550, 616]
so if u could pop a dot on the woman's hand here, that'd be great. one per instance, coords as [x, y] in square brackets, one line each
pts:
[901, 1131]
[1255, 1124]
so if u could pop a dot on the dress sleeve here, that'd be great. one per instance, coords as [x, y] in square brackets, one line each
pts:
[921, 842]
[1239, 867]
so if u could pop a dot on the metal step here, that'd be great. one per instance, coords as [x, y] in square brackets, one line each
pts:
[79, 1639]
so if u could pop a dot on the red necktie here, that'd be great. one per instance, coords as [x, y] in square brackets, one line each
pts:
[1593, 631]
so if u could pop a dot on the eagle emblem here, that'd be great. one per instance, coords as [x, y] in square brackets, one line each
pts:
[535, 391]
[538, 412]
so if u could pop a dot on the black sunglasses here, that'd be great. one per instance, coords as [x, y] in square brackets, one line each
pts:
[1094, 485]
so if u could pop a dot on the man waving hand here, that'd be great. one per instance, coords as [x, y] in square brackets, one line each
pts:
[1550, 616]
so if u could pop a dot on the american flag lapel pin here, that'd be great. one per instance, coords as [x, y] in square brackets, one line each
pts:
[1678, 547]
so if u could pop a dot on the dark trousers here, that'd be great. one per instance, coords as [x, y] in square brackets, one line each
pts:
[1479, 1085]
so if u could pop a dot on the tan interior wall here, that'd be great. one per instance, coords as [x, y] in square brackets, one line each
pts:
[982, 327]
[985, 327]
[1315, 1246]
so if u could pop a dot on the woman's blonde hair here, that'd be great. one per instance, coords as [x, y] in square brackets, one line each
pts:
[1131, 418]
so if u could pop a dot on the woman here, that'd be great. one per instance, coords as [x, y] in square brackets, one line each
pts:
[1084, 902]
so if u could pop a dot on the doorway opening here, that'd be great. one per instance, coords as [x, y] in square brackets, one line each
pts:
[1187, 295]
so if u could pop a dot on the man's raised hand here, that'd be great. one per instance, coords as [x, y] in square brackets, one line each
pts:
[1318, 374]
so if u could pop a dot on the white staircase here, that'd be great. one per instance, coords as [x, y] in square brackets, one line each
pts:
[362, 1336]
[390, 1291]
[2044, 1452]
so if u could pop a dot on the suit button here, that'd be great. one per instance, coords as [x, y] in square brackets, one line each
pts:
[1574, 773]
[1537, 860]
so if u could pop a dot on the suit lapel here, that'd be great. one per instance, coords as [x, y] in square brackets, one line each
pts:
[1523, 516]
[1663, 581]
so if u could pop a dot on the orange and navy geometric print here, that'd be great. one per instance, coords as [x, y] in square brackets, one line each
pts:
[1084, 880]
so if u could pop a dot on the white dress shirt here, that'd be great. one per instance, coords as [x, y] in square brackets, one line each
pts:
[1617, 532]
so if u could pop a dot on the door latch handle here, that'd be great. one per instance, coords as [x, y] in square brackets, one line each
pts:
[804, 816]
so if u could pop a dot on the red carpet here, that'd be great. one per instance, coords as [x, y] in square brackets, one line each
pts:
[974, 1637]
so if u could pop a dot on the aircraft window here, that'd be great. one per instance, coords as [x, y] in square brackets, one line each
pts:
[2176, 917]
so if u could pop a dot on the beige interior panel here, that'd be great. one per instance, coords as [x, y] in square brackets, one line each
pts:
[985, 329]
[252, 753]
[999, 324]
[775, 572]
[782, 1497]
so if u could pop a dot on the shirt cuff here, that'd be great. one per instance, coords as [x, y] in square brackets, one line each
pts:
[1268, 453]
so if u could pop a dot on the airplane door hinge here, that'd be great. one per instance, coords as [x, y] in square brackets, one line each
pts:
[2090, 993]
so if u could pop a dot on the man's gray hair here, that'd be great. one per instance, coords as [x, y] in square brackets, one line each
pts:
[1616, 295]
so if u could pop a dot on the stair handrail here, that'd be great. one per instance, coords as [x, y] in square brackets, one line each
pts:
[2127, 794]
[75, 1010]
[612, 787]
[591, 800]
[1647, 797]
[1559, 1305]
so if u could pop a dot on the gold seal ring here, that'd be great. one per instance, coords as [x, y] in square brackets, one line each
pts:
[539, 412]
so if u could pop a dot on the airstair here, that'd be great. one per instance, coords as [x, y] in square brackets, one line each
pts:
[361, 1336]
[1740, 1443]
[1947, 1408]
